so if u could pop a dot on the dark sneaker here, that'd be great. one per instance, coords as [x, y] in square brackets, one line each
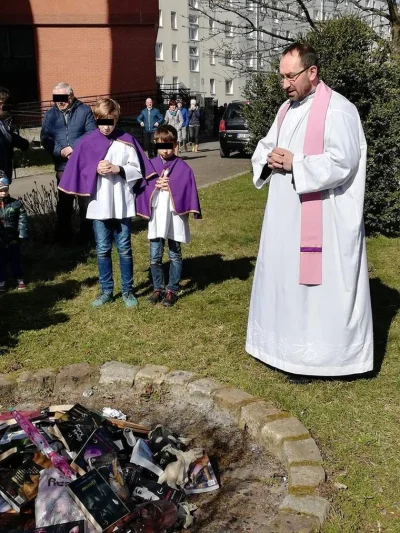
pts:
[298, 379]
[129, 299]
[156, 297]
[21, 285]
[103, 298]
[2, 286]
[170, 299]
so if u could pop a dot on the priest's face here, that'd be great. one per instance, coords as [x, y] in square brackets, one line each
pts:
[297, 81]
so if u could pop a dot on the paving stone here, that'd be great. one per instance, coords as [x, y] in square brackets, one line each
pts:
[291, 523]
[180, 377]
[152, 374]
[232, 399]
[273, 434]
[76, 378]
[308, 505]
[36, 383]
[204, 386]
[301, 451]
[116, 373]
[254, 415]
[305, 476]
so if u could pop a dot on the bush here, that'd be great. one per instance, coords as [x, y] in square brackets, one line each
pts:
[361, 67]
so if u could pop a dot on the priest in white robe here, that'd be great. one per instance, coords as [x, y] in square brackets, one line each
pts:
[310, 310]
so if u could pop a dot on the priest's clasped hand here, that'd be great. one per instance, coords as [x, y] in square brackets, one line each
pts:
[280, 159]
[105, 167]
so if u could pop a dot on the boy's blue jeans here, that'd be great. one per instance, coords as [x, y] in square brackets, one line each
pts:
[119, 230]
[175, 265]
[12, 253]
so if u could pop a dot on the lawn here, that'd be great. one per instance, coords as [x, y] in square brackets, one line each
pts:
[356, 423]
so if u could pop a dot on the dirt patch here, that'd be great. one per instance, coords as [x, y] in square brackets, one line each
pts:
[253, 483]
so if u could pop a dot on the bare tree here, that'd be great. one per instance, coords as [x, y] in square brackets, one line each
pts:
[261, 28]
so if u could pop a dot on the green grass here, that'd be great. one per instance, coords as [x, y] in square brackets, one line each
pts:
[356, 424]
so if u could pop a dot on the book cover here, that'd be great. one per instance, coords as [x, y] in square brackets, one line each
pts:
[110, 469]
[142, 456]
[72, 434]
[81, 415]
[148, 490]
[17, 523]
[96, 445]
[201, 477]
[19, 485]
[67, 527]
[98, 501]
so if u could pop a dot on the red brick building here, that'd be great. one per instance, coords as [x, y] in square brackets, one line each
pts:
[98, 46]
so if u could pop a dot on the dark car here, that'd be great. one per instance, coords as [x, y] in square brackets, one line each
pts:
[233, 129]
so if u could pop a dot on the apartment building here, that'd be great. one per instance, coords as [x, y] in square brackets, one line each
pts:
[191, 52]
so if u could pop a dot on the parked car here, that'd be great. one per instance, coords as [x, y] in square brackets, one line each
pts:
[233, 129]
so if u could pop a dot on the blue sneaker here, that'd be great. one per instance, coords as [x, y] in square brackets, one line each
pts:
[129, 299]
[103, 298]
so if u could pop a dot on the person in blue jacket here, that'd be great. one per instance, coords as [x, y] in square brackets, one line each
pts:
[63, 126]
[182, 133]
[149, 119]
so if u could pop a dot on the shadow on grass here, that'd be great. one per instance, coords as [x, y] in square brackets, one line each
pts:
[33, 309]
[200, 272]
[385, 306]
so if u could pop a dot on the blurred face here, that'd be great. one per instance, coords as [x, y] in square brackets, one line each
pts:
[63, 106]
[106, 130]
[4, 193]
[3, 112]
[179, 105]
[172, 107]
[296, 81]
[166, 153]
[149, 103]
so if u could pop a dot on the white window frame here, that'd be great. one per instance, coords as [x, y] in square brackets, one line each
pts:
[160, 18]
[228, 86]
[174, 20]
[160, 80]
[213, 86]
[229, 28]
[212, 56]
[228, 58]
[174, 53]
[160, 50]
[250, 5]
[194, 60]
[175, 83]
[194, 4]
[211, 26]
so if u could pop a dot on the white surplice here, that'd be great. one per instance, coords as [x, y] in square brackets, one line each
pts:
[114, 196]
[323, 330]
[165, 223]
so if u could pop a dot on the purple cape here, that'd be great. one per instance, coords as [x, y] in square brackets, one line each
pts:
[80, 174]
[182, 186]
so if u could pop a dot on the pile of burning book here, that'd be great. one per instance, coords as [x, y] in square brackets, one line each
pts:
[69, 469]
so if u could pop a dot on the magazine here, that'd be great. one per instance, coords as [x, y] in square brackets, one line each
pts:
[201, 477]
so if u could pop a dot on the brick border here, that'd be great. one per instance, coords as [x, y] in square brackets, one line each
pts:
[278, 431]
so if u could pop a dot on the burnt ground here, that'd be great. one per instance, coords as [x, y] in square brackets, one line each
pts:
[253, 483]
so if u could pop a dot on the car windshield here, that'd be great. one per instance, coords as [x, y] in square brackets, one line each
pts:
[234, 111]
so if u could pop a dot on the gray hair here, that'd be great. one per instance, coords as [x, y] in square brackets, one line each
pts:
[64, 86]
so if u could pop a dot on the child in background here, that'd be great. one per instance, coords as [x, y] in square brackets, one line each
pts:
[166, 202]
[13, 229]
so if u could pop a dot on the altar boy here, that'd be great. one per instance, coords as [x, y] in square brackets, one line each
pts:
[166, 202]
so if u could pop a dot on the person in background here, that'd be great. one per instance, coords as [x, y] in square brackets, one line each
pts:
[166, 203]
[194, 124]
[63, 127]
[173, 117]
[183, 132]
[8, 138]
[149, 119]
[13, 230]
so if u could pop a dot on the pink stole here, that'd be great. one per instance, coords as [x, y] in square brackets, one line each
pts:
[311, 203]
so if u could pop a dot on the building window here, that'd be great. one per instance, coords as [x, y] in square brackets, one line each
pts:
[317, 14]
[174, 20]
[175, 83]
[228, 28]
[250, 5]
[211, 24]
[288, 34]
[228, 86]
[193, 28]
[251, 35]
[159, 52]
[194, 58]
[251, 60]
[160, 80]
[212, 86]
[160, 18]
[228, 58]
[212, 57]
[174, 52]
[194, 4]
